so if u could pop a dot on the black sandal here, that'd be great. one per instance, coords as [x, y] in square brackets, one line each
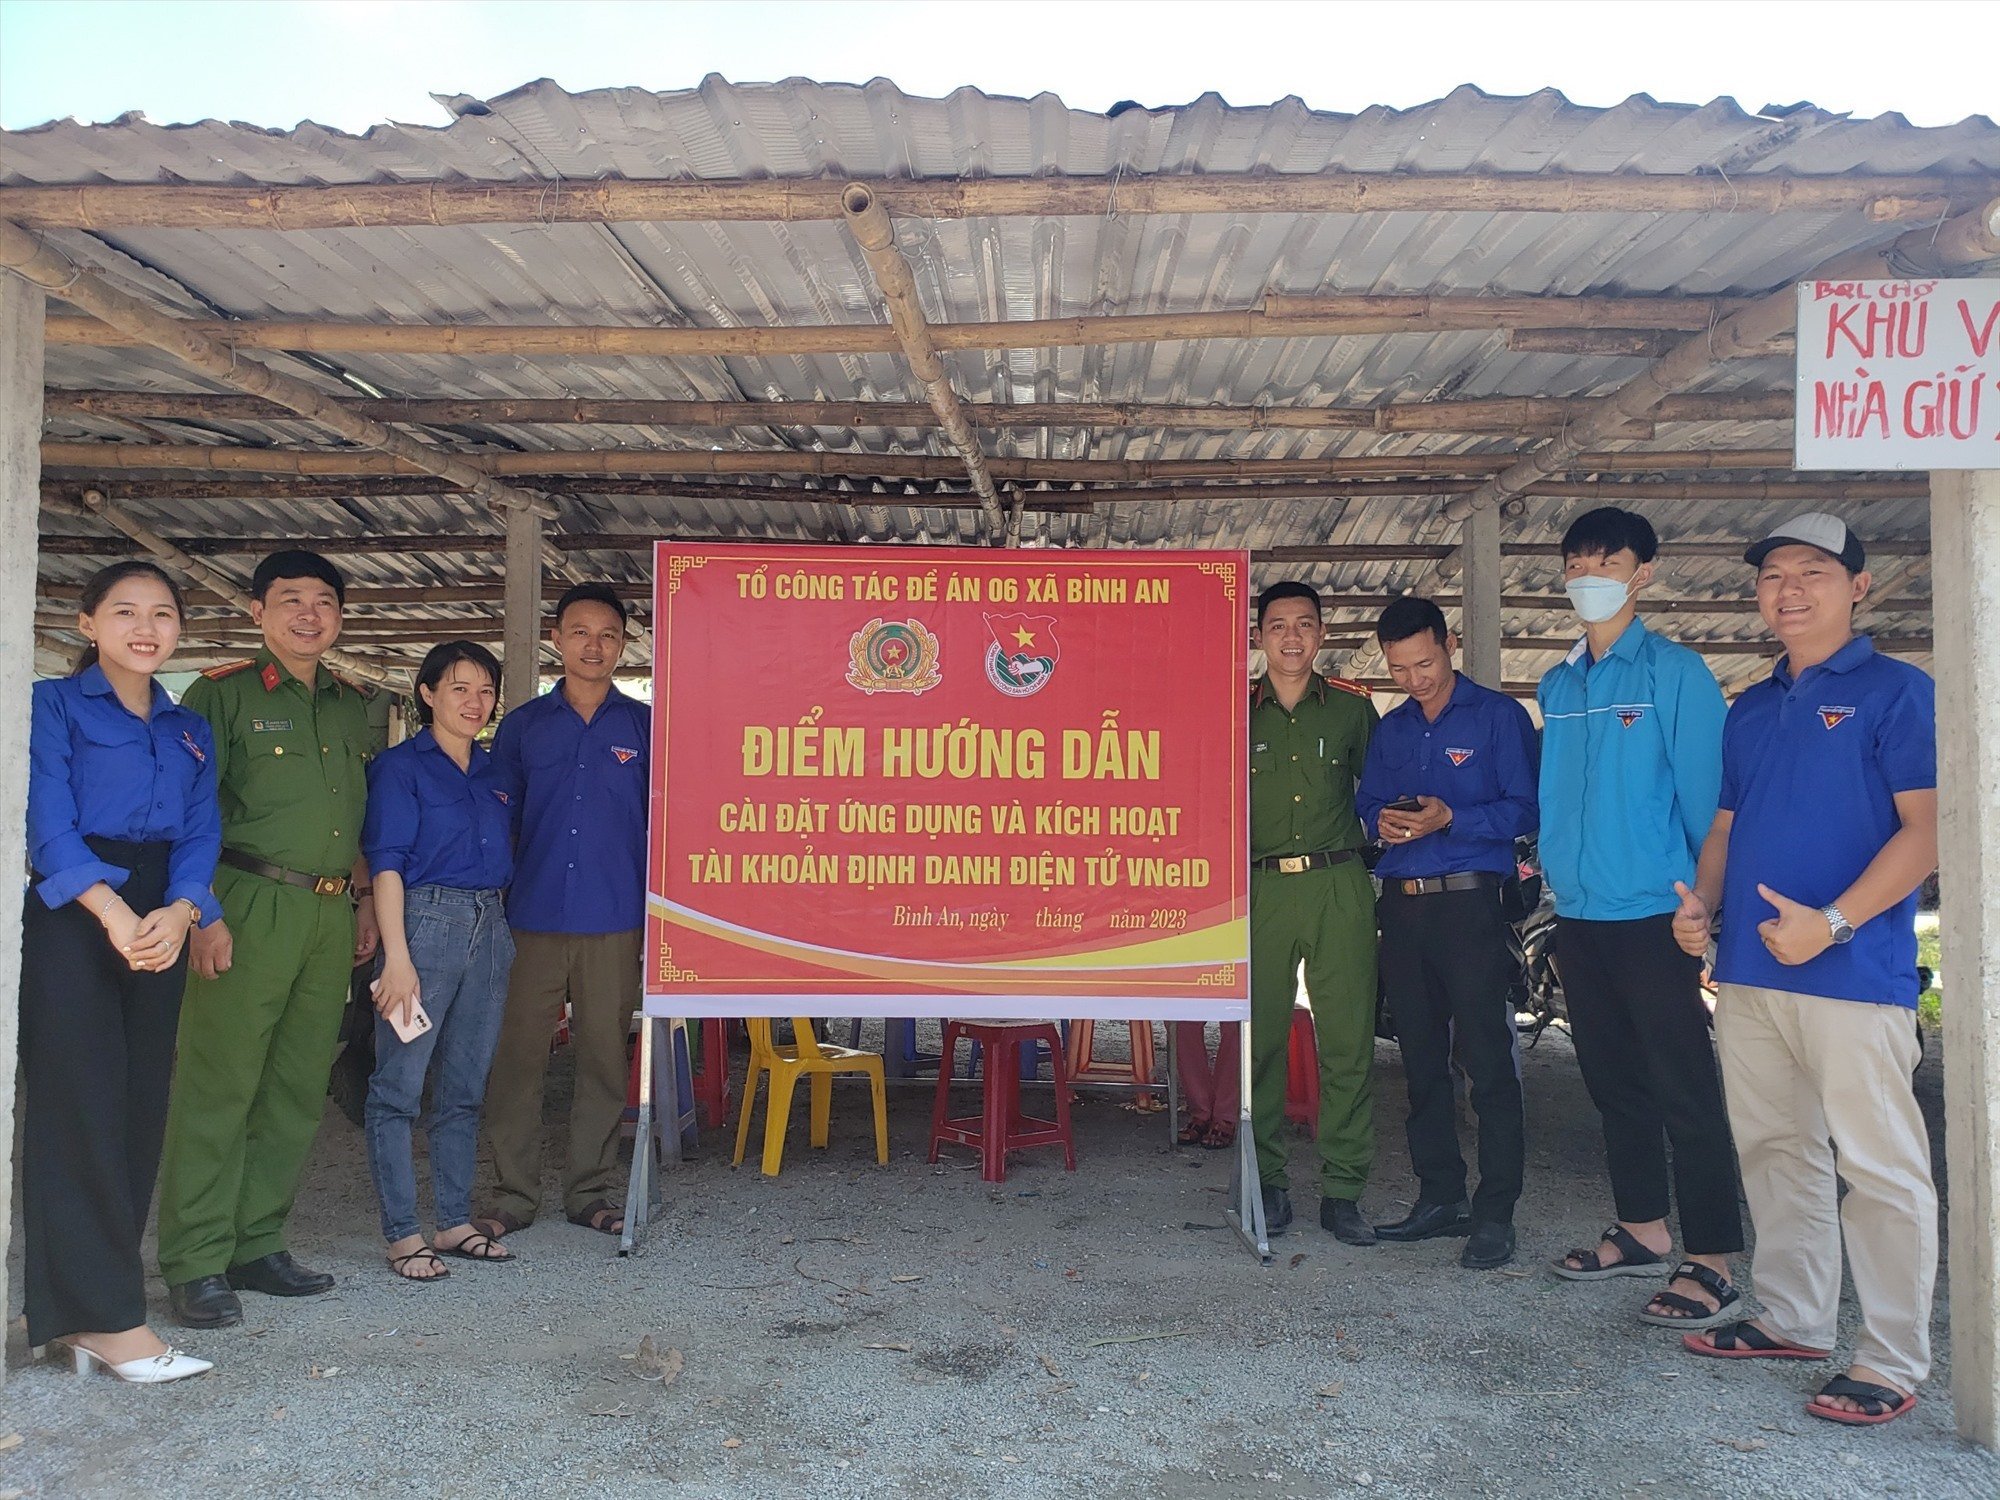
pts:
[477, 1246]
[1878, 1402]
[1746, 1340]
[1689, 1313]
[604, 1216]
[1638, 1261]
[397, 1262]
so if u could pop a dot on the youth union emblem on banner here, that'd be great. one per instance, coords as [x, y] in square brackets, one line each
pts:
[893, 656]
[1023, 655]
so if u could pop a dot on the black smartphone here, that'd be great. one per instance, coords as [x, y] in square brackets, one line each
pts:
[1408, 804]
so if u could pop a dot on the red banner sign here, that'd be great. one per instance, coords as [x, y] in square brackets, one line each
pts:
[907, 776]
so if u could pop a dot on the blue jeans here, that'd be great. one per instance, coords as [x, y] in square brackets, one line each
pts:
[462, 951]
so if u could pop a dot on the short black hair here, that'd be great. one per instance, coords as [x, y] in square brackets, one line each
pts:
[1291, 588]
[442, 657]
[591, 593]
[1601, 532]
[1410, 616]
[296, 563]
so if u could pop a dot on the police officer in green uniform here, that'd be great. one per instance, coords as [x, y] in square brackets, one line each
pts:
[270, 980]
[1311, 902]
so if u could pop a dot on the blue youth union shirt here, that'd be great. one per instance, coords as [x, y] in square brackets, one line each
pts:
[578, 793]
[96, 769]
[1478, 758]
[434, 824]
[1631, 762]
[1810, 768]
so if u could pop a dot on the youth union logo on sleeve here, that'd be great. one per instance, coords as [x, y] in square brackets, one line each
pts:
[893, 656]
[1023, 654]
[1835, 715]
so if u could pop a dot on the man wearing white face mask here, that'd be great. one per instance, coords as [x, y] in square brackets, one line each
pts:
[1631, 771]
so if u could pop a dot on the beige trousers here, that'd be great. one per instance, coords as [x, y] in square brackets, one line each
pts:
[1806, 1077]
[599, 974]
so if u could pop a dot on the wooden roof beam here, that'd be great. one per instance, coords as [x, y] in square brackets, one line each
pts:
[272, 206]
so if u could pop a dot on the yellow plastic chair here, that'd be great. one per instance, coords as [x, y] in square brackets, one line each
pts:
[806, 1054]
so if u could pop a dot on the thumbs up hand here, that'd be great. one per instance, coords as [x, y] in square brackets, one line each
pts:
[1798, 933]
[1691, 922]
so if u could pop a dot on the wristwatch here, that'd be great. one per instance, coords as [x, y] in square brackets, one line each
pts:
[1843, 930]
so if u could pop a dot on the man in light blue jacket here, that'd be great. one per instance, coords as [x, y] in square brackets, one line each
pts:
[1631, 770]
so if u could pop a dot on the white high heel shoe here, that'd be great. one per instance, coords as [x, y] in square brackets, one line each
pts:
[155, 1369]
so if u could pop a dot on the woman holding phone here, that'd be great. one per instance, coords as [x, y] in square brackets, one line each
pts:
[123, 834]
[437, 839]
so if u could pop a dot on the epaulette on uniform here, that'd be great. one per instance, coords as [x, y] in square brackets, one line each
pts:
[1350, 687]
[228, 669]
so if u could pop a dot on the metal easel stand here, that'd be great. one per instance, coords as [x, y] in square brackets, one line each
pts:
[1246, 1201]
[657, 1133]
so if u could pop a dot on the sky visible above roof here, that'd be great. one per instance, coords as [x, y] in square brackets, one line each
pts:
[355, 63]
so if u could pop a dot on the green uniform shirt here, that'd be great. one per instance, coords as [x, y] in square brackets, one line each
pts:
[289, 763]
[1303, 766]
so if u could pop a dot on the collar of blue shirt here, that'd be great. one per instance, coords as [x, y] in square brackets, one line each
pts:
[1630, 639]
[94, 683]
[1846, 659]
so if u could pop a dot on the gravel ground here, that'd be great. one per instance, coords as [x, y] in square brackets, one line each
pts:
[854, 1330]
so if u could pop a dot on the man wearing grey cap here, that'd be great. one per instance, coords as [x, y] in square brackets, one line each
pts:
[1827, 826]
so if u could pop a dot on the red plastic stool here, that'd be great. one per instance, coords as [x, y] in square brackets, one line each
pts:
[1000, 1127]
[711, 1079]
[1084, 1068]
[1302, 1072]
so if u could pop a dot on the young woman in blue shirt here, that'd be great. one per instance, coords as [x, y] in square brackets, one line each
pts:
[123, 834]
[438, 839]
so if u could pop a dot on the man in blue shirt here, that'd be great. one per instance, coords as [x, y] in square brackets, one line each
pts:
[1631, 758]
[1828, 825]
[1465, 756]
[573, 765]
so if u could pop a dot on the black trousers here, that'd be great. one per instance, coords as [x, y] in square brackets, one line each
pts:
[97, 1056]
[1447, 966]
[1643, 1046]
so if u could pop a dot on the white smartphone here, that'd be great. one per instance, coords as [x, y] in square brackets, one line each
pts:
[416, 1026]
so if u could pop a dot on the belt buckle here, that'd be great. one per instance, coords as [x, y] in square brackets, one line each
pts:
[1294, 864]
[1413, 887]
[329, 885]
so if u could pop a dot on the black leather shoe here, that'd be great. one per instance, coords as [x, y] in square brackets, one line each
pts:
[1341, 1217]
[1490, 1245]
[1277, 1211]
[205, 1302]
[278, 1275]
[1429, 1221]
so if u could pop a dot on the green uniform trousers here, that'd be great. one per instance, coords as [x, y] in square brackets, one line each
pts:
[256, 1044]
[600, 975]
[1325, 919]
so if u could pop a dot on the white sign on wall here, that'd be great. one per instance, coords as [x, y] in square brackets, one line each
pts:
[1898, 375]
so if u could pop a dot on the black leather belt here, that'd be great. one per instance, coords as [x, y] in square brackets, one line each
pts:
[319, 885]
[1298, 864]
[1430, 885]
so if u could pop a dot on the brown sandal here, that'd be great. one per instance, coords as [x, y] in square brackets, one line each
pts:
[1195, 1131]
[604, 1216]
[477, 1246]
[497, 1224]
[1220, 1136]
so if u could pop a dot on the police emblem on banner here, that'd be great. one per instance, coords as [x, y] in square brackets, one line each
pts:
[893, 656]
[1023, 655]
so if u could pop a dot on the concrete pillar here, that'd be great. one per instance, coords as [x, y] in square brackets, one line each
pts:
[523, 607]
[1479, 565]
[20, 511]
[1965, 592]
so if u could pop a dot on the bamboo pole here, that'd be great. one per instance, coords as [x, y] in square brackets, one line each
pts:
[1054, 502]
[307, 462]
[25, 254]
[270, 206]
[1581, 321]
[1512, 414]
[195, 571]
[869, 223]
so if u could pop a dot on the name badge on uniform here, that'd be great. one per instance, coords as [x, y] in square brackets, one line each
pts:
[1259, 747]
[270, 726]
[623, 753]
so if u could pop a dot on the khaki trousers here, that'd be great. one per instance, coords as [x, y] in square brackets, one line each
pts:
[598, 973]
[1807, 1077]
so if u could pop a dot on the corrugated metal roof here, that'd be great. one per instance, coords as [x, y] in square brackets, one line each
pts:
[754, 273]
